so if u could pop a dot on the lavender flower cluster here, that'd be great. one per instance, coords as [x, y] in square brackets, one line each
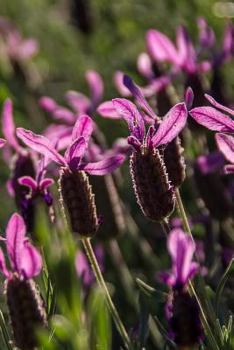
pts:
[73, 152]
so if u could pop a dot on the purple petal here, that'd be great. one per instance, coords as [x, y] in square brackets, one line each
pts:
[47, 103]
[59, 135]
[15, 236]
[2, 142]
[189, 97]
[75, 153]
[40, 144]
[3, 267]
[181, 248]
[228, 41]
[29, 262]
[63, 114]
[8, 125]
[137, 93]
[128, 111]
[206, 33]
[96, 86]
[118, 81]
[212, 119]
[45, 183]
[28, 48]
[186, 50]
[161, 47]
[133, 141]
[83, 128]
[219, 105]
[229, 169]
[83, 269]
[104, 166]
[171, 125]
[107, 110]
[226, 146]
[79, 102]
[144, 65]
[28, 181]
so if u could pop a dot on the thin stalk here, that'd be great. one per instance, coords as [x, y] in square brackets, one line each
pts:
[191, 287]
[98, 274]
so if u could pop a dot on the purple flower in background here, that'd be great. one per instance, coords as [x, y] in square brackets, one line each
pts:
[74, 155]
[24, 258]
[225, 144]
[181, 248]
[83, 268]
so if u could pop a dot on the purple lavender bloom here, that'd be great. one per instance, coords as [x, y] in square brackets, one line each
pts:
[210, 163]
[83, 268]
[181, 248]
[74, 155]
[24, 258]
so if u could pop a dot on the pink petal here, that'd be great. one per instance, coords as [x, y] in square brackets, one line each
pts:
[206, 33]
[75, 153]
[79, 102]
[118, 81]
[28, 181]
[226, 146]
[15, 236]
[3, 267]
[107, 110]
[161, 47]
[47, 103]
[2, 142]
[219, 105]
[229, 169]
[59, 135]
[189, 97]
[45, 183]
[83, 128]
[144, 65]
[8, 125]
[104, 166]
[29, 262]
[186, 52]
[63, 114]
[171, 125]
[40, 144]
[128, 111]
[138, 95]
[28, 48]
[96, 86]
[212, 119]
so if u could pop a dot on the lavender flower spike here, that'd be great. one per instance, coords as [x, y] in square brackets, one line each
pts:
[23, 298]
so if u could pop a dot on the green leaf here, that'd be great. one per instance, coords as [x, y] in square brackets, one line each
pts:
[221, 285]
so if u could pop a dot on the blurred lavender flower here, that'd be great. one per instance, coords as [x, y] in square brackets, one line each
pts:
[83, 268]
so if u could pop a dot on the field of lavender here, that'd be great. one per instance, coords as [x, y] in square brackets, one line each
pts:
[116, 181]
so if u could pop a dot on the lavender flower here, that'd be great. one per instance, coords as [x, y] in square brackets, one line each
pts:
[75, 189]
[21, 164]
[153, 191]
[23, 299]
[182, 310]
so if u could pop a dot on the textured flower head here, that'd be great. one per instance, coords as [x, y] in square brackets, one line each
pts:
[24, 258]
[181, 248]
[74, 155]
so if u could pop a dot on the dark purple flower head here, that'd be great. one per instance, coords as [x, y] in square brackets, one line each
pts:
[74, 155]
[181, 248]
[24, 258]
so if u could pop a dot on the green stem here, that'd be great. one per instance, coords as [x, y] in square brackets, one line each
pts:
[98, 274]
[191, 287]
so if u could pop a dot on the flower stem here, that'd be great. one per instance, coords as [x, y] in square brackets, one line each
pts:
[191, 287]
[100, 280]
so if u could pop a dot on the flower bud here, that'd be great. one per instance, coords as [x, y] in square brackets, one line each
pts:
[26, 311]
[174, 162]
[78, 199]
[153, 191]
